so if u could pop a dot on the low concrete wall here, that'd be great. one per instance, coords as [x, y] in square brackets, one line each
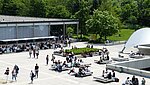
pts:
[132, 67]
[115, 43]
[138, 64]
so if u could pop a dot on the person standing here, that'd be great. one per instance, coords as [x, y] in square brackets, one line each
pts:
[30, 52]
[37, 53]
[7, 73]
[143, 81]
[33, 52]
[36, 70]
[47, 60]
[32, 76]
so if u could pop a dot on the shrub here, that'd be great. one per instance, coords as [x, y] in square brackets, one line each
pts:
[77, 51]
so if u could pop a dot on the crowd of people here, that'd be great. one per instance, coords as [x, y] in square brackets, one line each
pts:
[50, 44]
[134, 81]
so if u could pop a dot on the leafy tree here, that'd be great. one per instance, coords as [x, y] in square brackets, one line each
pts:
[59, 11]
[14, 7]
[103, 23]
[83, 15]
[73, 6]
[70, 31]
[129, 13]
[1, 5]
[37, 8]
[144, 12]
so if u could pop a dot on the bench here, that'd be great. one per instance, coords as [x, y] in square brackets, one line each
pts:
[102, 79]
[120, 59]
[103, 62]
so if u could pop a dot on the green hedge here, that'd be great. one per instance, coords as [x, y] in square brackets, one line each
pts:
[77, 51]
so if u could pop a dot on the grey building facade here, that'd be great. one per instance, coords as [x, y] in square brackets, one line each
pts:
[15, 27]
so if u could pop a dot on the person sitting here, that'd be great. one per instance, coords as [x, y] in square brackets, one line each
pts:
[109, 75]
[106, 74]
[81, 71]
[59, 67]
[64, 64]
[127, 82]
[113, 73]
[62, 50]
[86, 69]
[72, 70]
[132, 53]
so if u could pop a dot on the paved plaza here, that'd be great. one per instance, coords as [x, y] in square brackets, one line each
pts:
[48, 77]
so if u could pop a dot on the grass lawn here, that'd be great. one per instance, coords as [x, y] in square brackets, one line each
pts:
[124, 35]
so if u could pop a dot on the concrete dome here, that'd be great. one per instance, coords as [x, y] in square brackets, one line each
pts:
[139, 37]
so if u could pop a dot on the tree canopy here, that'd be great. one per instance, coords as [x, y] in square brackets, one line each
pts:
[103, 23]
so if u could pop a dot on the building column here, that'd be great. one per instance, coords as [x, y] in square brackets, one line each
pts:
[33, 30]
[64, 31]
[16, 31]
[49, 29]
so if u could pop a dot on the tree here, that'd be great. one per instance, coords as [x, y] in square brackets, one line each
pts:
[70, 31]
[14, 7]
[59, 11]
[129, 13]
[83, 15]
[1, 5]
[103, 23]
[37, 8]
[144, 12]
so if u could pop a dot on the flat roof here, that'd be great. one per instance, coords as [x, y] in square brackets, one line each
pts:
[18, 19]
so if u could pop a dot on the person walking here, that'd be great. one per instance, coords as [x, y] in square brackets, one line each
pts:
[36, 70]
[47, 59]
[7, 73]
[32, 76]
[16, 68]
[14, 75]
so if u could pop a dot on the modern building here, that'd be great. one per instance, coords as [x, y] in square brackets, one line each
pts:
[17, 28]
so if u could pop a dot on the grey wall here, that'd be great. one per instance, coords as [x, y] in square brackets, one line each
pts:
[138, 64]
[41, 30]
[25, 31]
[7, 32]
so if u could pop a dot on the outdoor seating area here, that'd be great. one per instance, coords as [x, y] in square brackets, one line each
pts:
[107, 77]
[71, 66]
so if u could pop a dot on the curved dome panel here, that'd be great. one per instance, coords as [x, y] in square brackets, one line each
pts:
[139, 37]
